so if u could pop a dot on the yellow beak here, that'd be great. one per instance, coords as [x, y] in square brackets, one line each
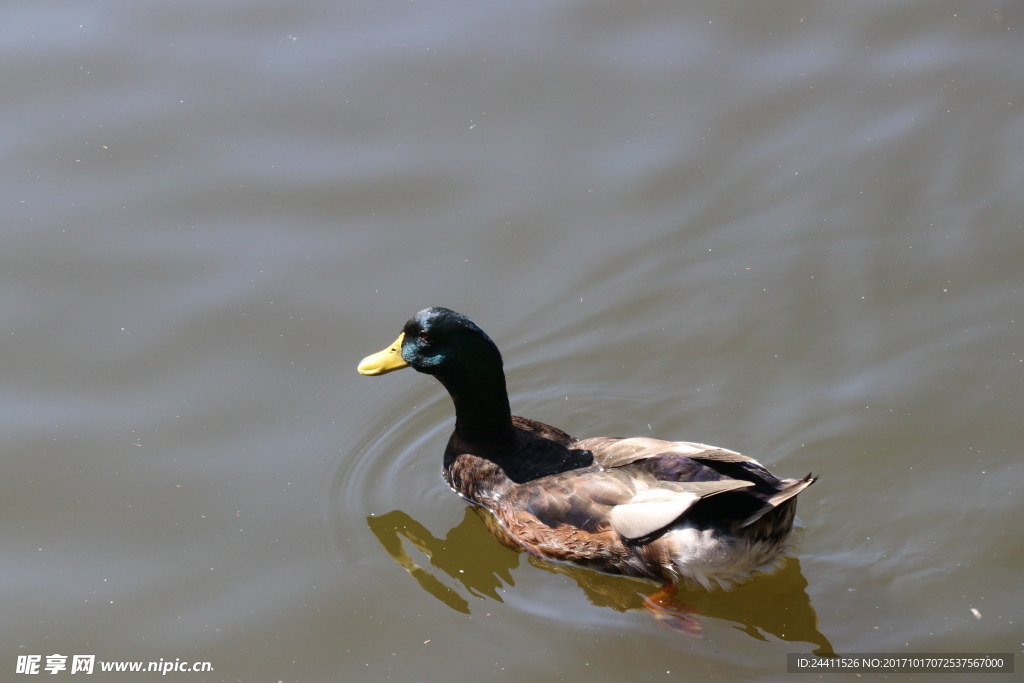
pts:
[384, 361]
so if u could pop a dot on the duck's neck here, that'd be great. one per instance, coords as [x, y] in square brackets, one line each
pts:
[482, 413]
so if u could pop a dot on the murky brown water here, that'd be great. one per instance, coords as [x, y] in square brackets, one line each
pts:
[791, 229]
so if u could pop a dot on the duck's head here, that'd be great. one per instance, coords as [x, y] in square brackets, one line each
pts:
[439, 342]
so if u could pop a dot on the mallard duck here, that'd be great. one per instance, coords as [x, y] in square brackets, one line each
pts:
[667, 511]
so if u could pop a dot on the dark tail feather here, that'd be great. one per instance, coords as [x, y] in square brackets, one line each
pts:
[784, 494]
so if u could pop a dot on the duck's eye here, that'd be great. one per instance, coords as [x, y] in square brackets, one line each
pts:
[424, 337]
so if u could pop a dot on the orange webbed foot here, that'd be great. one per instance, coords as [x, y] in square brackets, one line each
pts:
[673, 614]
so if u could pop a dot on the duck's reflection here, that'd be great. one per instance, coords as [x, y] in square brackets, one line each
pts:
[775, 604]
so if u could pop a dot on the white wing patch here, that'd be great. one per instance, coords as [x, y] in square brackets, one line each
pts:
[650, 510]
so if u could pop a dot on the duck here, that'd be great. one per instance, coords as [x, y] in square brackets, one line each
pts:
[671, 512]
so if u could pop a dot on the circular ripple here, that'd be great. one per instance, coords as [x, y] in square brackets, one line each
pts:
[394, 463]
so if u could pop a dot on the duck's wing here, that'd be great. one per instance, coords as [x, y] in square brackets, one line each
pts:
[629, 501]
[615, 451]
[581, 499]
[653, 508]
[697, 468]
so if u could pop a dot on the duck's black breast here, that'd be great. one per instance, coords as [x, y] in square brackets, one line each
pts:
[531, 450]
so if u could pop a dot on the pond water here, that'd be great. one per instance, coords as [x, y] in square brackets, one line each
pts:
[791, 229]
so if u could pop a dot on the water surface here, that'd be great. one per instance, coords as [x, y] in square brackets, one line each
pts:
[789, 229]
